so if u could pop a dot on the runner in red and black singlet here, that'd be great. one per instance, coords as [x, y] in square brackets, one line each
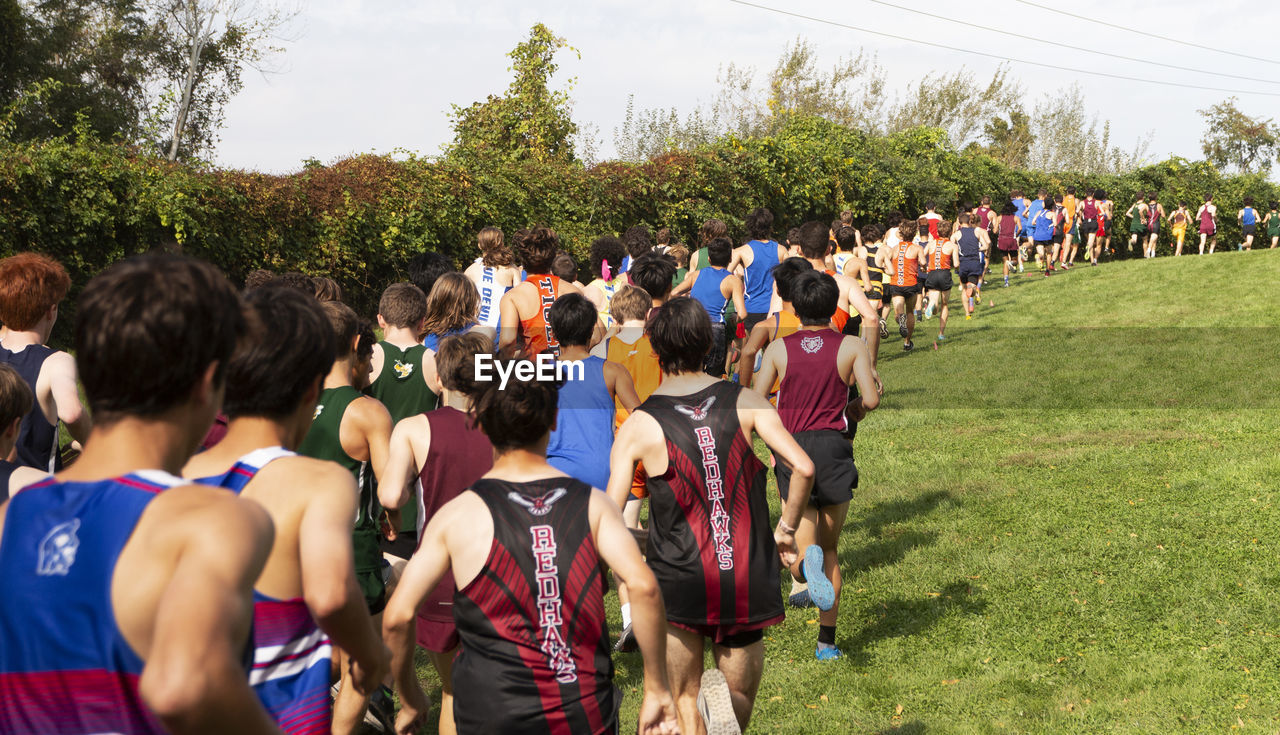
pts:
[527, 546]
[710, 544]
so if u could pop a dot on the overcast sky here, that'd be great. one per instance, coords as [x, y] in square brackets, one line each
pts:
[380, 75]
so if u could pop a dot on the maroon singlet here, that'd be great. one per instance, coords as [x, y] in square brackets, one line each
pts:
[811, 396]
[535, 654]
[710, 541]
[459, 455]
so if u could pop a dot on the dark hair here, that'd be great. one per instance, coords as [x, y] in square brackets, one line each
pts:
[1041, 193]
[456, 360]
[1016, 194]
[607, 249]
[680, 334]
[1208, 198]
[784, 275]
[1100, 194]
[1151, 197]
[1071, 190]
[1275, 205]
[815, 297]
[964, 219]
[573, 319]
[1248, 201]
[268, 376]
[793, 236]
[986, 201]
[425, 268]
[147, 329]
[403, 305]
[653, 273]
[258, 279]
[637, 241]
[720, 252]
[537, 248]
[711, 229]
[15, 397]
[1057, 199]
[518, 414]
[908, 228]
[1184, 204]
[871, 232]
[893, 218]
[944, 229]
[326, 289]
[30, 285]
[1008, 209]
[493, 250]
[814, 239]
[846, 217]
[662, 236]
[300, 281]
[930, 205]
[759, 223]
[564, 268]
[344, 324]
[846, 238]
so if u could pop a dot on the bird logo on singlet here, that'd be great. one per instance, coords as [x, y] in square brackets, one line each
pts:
[698, 412]
[539, 506]
[403, 370]
[319, 409]
[58, 549]
[811, 344]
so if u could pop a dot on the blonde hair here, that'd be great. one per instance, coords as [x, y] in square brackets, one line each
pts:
[680, 253]
[493, 250]
[630, 302]
[453, 304]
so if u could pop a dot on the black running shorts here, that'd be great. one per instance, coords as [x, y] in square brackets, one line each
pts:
[1088, 227]
[1249, 229]
[876, 293]
[834, 476]
[970, 275]
[904, 291]
[939, 280]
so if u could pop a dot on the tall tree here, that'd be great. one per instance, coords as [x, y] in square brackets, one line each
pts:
[1009, 141]
[956, 102]
[1235, 141]
[205, 46]
[531, 121]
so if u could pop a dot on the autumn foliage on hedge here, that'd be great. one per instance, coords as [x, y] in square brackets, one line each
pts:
[360, 219]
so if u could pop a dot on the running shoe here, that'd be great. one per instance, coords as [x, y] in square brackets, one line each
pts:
[928, 311]
[884, 330]
[968, 316]
[800, 599]
[820, 589]
[381, 712]
[902, 325]
[827, 652]
[627, 641]
[906, 347]
[716, 706]
[942, 338]
[1006, 281]
[919, 314]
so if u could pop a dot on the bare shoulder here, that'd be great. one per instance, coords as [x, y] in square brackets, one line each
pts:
[749, 400]
[569, 287]
[194, 511]
[369, 409]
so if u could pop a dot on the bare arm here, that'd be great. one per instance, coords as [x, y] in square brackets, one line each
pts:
[768, 425]
[686, 285]
[375, 423]
[402, 466]
[328, 573]
[621, 386]
[771, 367]
[629, 447]
[510, 322]
[375, 365]
[755, 341]
[66, 396]
[738, 296]
[193, 679]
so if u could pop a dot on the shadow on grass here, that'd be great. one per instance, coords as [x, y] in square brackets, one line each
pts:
[910, 728]
[902, 617]
[897, 511]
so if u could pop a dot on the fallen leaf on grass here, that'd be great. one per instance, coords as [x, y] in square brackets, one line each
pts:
[949, 682]
[824, 698]
[934, 594]
[812, 706]
[775, 699]
[1061, 659]
[986, 660]
[897, 710]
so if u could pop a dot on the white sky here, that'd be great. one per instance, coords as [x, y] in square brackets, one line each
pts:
[380, 75]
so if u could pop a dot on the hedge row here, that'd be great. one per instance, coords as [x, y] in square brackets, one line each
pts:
[359, 220]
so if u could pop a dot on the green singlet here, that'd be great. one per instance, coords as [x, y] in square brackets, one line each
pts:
[700, 260]
[1273, 226]
[402, 390]
[1137, 225]
[322, 442]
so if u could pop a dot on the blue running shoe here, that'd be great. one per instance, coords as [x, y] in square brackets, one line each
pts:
[800, 599]
[827, 652]
[820, 589]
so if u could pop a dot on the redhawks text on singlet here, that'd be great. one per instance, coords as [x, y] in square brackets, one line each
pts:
[547, 576]
[715, 493]
[543, 367]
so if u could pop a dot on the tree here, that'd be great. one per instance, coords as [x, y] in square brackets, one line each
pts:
[1235, 141]
[205, 45]
[1065, 140]
[531, 122]
[650, 133]
[956, 103]
[1009, 142]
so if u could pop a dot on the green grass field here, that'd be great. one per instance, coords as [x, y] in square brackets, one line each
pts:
[1065, 522]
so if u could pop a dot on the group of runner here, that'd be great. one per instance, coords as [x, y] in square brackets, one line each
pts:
[273, 508]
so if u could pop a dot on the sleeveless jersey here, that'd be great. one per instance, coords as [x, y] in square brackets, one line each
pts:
[37, 438]
[710, 540]
[1248, 216]
[812, 397]
[459, 455]
[1042, 225]
[874, 272]
[970, 246]
[490, 295]
[940, 261]
[537, 328]
[65, 667]
[1153, 216]
[322, 442]
[1007, 237]
[535, 654]
[1069, 207]
[1206, 221]
[1138, 223]
[841, 260]
[6, 474]
[1273, 224]
[984, 217]
[841, 317]
[583, 436]
[700, 259]
[640, 361]
[906, 270]
[290, 653]
[400, 386]
[759, 275]
[932, 220]
[608, 288]
[706, 289]
[1089, 212]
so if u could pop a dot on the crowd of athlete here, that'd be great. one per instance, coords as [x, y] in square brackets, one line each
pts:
[272, 509]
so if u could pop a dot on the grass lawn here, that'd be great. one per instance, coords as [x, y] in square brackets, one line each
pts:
[1064, 519]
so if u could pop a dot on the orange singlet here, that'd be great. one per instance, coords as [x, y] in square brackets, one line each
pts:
[537, 328]
[841, 316]
[940, 261]
[906, 270]
[640, 361]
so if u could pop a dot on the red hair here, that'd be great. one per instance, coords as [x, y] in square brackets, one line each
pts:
[30, 285]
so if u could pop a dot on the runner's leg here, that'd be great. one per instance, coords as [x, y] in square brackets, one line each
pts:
[742, 668]
[444, 667]
[684, 670]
